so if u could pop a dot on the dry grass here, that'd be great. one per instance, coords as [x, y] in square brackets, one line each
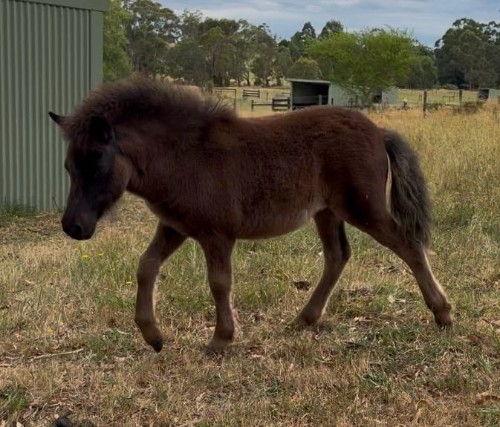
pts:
[68, 345]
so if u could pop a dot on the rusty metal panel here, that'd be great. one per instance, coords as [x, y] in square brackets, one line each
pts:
[51, 58]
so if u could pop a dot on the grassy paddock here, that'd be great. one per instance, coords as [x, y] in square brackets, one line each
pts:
[415, 97]
[68, 345]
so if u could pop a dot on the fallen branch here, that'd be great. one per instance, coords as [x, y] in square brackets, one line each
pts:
[44, 356]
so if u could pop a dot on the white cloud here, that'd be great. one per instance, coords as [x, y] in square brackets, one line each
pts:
[427, 20]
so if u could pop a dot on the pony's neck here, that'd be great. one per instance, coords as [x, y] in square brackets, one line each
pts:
[148, 159]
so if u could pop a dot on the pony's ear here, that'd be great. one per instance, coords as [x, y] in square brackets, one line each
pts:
[58, 119]
[101, 130]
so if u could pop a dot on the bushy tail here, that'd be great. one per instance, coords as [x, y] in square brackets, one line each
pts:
[410, 202]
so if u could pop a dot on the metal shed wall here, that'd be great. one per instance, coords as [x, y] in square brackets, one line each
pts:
[309, 90]
[51, 57]
[340, 97]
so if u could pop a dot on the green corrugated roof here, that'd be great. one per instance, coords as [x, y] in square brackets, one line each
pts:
[322, 82]
[101, 5]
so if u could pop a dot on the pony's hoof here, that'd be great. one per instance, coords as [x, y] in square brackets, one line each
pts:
[297, 324]
[444, 320]
[303, 321]
[157, 344]
[444, 317]
[219, 345]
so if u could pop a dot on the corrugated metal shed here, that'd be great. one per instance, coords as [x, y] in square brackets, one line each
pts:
[304, 92]
[51, 57]
[485, 94]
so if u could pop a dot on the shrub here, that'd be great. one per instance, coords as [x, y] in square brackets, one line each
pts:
[469, 107]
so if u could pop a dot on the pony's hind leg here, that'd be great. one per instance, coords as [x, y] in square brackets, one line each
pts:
[165, 242]
[414, 255]
[336, 252]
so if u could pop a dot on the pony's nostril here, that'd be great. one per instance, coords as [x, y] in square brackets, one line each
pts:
[76, 231]
[73, 229]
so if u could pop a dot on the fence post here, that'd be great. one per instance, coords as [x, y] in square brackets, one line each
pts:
[425, 102]
[460, 94]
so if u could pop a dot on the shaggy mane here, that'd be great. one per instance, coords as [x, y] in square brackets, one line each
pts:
[128, 100]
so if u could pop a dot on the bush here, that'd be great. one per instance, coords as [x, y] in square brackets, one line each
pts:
[434, 106]
[470, 107]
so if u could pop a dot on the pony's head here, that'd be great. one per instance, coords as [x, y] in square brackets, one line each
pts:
[99, 173]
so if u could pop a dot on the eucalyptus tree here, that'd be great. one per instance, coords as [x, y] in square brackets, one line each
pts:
[151, 30]
[468, 54]
[366, 61]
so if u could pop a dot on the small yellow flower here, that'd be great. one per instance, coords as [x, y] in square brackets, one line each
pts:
[129, 282]
[85, 256]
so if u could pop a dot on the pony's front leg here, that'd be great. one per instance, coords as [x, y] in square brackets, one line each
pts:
[218, 251]
[165, 242]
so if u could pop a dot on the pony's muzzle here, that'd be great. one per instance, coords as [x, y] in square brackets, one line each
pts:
[77, 229]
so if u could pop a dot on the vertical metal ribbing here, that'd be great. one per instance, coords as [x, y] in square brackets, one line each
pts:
[45, 66]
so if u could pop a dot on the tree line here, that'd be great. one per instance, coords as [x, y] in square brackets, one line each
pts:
[142, 36]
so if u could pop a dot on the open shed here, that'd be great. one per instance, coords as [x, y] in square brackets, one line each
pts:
[51, 58]
[486, 94]
[305, 93]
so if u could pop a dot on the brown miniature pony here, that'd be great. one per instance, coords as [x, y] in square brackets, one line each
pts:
[212, 176]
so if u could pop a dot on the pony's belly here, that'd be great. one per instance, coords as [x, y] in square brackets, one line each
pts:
[257, 225]
[277, 225]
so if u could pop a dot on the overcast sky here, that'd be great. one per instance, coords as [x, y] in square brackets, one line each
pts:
[427, 20]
